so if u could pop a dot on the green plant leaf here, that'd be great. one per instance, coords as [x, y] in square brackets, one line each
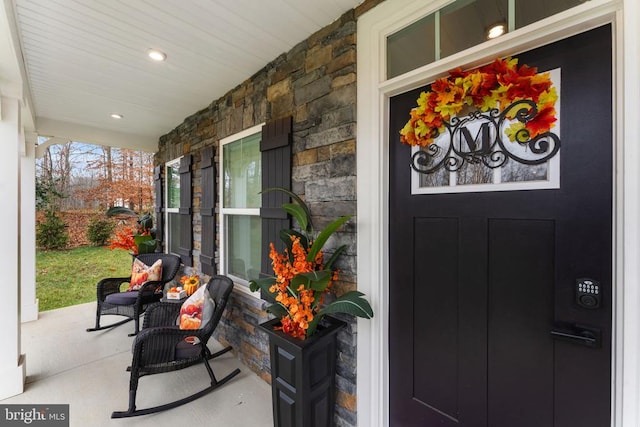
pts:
[277, 310]
[297, 199]
[263, 283]
[334, 257]
[298, 280]
[317, 296]
[285, 236]
[313, 325]
[324, 236]
[356, 293]
[315, 280]
[148, 246]
[146, 221]
[119, 210]
[349, 303]
[145, 244]
[298, 213]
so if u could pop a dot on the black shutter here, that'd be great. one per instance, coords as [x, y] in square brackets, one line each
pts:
[207, 211]
[276, 172]
[158, 176]
[185, 244]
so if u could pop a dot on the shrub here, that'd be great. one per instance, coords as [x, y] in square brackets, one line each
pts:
[99, 231]
[52, 232]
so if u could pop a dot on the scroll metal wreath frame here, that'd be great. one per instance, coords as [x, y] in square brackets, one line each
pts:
[493, 153]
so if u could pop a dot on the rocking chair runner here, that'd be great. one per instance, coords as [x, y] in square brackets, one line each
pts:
[161, 347]
[111, 300]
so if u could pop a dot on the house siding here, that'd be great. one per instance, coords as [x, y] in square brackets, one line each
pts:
[315, 83]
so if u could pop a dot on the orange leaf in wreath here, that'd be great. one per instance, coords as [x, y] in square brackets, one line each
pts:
[543, 121]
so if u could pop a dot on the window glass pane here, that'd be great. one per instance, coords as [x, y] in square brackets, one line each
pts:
[173, 186]
[242, 173]
[464, 24]
[528, 11]
[243, 243]
[411, 47]
[174, 232]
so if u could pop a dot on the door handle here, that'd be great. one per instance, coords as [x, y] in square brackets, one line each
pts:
[577, 334]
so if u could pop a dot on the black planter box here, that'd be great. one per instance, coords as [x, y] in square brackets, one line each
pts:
[303, 375]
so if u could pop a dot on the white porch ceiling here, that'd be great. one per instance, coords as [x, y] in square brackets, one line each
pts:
[82, 60]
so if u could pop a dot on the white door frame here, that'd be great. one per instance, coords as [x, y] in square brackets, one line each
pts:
[373, 176]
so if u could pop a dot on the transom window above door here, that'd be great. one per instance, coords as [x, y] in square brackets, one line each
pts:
[461, 25]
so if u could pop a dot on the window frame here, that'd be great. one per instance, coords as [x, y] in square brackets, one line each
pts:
[437, 10]
[175, 164]
[225, 212]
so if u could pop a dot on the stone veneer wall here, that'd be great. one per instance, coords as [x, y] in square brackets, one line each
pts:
[315, 83]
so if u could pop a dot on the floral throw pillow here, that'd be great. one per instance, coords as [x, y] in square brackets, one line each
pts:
[196, 310]
[142, 273]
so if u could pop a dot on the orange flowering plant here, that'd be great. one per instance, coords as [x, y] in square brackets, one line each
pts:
[139, 241]
[496, 85]
[303, 278]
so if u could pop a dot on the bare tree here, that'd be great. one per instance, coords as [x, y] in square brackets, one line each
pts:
[55, 171]
[98, 176]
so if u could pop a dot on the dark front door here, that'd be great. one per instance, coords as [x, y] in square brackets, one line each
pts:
[479, 280]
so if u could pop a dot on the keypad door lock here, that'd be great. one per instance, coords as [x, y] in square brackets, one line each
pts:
[588, 293]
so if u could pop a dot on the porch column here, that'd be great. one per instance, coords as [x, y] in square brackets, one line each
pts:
[12, 364]
[628, 319]
[28, 300]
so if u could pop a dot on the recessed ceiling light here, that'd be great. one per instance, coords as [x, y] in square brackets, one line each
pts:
[157, 55]
[496, 31]
[116, 116]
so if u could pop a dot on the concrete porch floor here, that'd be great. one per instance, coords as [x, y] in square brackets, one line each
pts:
[87, 370]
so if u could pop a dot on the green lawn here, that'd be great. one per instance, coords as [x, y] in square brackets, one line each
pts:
[69, 277]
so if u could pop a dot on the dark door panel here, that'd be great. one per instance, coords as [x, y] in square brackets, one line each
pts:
[478, 281]
[435, 338]
[520, 299]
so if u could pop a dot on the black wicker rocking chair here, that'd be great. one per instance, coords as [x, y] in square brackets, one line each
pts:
[113, 301]
[161, 347]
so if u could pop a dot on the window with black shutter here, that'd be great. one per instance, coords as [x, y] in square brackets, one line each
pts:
[177, 209]
[185, 246]
[239, 204]
[250, 219]
[276, 172]
[172, 205]
[207, 211]
[158, 176]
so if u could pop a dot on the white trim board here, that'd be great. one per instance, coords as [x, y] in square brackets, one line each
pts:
[373, 165]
